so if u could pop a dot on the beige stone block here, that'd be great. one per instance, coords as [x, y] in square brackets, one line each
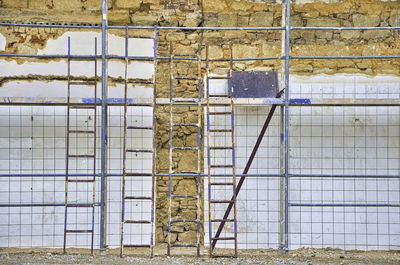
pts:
[244, 51]
[227, 20]
[143, 19]
[131, 4]
[394, 20]
[214, 5]
[215, 52]
[322, 22]
[119, 16]
[269, 50]
[187, 237]
[350, 34]
[192, 19]
[37, 4]
[261, 19]
[322, 34]
[175, 36]
[67, 5]
[376, 34]
[365, 21]
[93, 4]
[14, 4]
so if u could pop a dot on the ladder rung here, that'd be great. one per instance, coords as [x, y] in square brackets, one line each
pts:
[77, 156]
[140, 127]
[131, 174]
[221, 201]
[82, 106]
[187, 245]
[80, 131]
[220, 113]
[186, 124]
[185, 148]
[186, 78]
[80, 180]
[137, 222]
[140, 104]
[220, 147]
[223, 220]
[136, 246]
[223, 238]
[218, 77]
[78, 205]
[78, 231]
[220, 130]
[184, 221]
[140, 150]
[137, 198]
[221, 183]
[87, 83]
[220, 166]
[183, 196]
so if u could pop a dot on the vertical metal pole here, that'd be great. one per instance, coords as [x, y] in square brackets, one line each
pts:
[67, 146]
[103, 119]
[171, 80]
[153, 178]
[287, 52]
[281, 140]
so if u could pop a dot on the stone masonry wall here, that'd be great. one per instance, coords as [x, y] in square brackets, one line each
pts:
[227, 13]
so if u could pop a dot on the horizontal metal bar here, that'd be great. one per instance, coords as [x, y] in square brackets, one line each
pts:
[38, 204]
[147, 102]
[204, 175]
[196, 28]
[344, 28]
[341, 176]
[47, 56]
[343, 204]
[346, 57]
[50, 26]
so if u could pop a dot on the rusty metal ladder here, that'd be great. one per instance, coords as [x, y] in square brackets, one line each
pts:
[127, 127]
[74, 178]
[214, 110]
[172, 126]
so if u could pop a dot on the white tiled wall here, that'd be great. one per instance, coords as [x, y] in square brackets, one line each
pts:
[32, 140]
[323, 140]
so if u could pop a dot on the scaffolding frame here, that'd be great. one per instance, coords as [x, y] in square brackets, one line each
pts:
[285, 105]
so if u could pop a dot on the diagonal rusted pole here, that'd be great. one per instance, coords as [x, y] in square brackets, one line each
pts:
[246, 169]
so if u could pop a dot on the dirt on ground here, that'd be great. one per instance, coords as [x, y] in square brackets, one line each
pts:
[187, 256]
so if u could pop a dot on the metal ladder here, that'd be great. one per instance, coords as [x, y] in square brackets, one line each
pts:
[127, 127]
[74, 178]
[214, 110]
[172, 127]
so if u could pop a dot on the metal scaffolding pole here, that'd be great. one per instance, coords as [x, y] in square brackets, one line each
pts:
[103, 120]
[286, 141]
